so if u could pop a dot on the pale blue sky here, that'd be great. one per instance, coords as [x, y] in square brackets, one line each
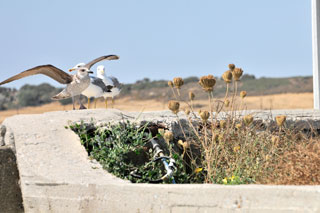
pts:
[157, 39]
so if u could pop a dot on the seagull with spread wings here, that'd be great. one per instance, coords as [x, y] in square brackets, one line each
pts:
[75, 83]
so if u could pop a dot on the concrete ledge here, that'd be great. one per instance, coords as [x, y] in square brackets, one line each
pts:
[57, 176]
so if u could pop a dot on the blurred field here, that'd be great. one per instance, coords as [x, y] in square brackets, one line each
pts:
[278, 101]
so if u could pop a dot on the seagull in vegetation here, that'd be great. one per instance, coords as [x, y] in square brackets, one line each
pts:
[98, 86]
[109, 80]
[76, 84]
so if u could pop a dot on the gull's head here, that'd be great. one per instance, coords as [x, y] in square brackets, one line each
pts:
[78, 66]
[100, 70]
[82, 71]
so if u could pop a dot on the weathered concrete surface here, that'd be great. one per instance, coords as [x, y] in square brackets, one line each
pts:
[56, 174]
[10, 193]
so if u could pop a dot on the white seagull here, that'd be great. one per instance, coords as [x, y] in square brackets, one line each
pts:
[101, 86]
[109, 80]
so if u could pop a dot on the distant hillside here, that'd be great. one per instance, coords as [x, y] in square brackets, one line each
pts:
[30, 95]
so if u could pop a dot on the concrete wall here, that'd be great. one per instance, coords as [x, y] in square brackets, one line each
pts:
[57, 176]
[10, 193]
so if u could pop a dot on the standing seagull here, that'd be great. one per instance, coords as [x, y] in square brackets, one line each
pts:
[109, 80]
[98, 87]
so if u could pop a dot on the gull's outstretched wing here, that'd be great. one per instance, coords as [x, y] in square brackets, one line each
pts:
[106, 57]
[48, 70]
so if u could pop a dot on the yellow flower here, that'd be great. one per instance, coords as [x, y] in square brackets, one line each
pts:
[197, 170]
[225, 180]
[236, 148]
[232, 178]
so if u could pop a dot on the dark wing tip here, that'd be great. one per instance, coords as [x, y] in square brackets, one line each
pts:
[112, 57]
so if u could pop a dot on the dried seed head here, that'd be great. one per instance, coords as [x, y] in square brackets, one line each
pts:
[248, 119]
[275, 139]
[238, 126]
[227, 76]
[186, 145]
[180, 142]
[237, 73]
[231, 66]
[243, 94]
[204, 115]
[280, 119]
[174, 106]
[191, 96]
[170, 83]
[268, 157]
[223, 124]
[207, 82]
[178, 82]
[226, 103]
[187, 111]
[199, 111]
[215, 137]
[168, 136]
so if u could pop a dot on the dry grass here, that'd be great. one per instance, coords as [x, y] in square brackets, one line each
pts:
[279, 101]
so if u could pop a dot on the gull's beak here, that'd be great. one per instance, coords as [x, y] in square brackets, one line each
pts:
[70, 70]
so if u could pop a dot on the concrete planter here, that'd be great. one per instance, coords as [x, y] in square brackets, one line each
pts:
[57, 176]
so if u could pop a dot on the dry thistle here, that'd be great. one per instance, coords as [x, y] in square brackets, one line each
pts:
[199, 111]
[187, 111]
[174, 106]
[204, 115]
[207, 82]
[238, 126]
[248, 119]
[280, 119]
[178, 82]
[191, 96]
[168, 136]
[231, 66]
[170, 83]
[243, 94]
[237, 73]
[223, 124]
[227, 76]
[226, 103]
